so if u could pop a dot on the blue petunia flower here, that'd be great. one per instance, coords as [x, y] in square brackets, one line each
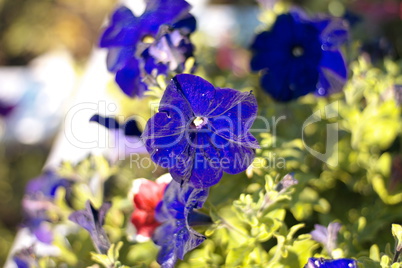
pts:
[128, 36]
[299, 55]
[175, 236]
[46, 185]
[201, 131]
[92, 220]
[39, 195]
[323, 263]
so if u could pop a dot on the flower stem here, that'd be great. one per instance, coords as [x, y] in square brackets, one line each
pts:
[396, 256]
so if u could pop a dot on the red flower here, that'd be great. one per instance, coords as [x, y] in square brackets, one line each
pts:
[146, 196]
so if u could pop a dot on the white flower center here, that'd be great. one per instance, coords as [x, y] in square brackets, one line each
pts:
[198, 121]
[297, 51]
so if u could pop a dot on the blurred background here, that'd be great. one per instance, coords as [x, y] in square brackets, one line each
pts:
[45, 47]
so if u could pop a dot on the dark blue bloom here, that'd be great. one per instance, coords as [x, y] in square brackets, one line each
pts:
[92, 220]
[201, 131]
[301, 55]
[323, 263]
[175, 236]
[127, 35]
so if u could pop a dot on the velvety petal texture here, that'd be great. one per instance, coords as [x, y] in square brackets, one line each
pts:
[299, 55]
[201, 131]
[323, 263]
[175, 236]
[154, 43]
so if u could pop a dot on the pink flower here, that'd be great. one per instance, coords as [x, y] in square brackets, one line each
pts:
[146, 196]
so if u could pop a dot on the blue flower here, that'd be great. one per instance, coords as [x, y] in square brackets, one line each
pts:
[323, 263]
[301, 55]
[201, 131]
[175, 236]
[92, 220]
[128, 37]
[38, 200]
[46, 185]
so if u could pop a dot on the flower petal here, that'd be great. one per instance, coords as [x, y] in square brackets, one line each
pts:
[175, 236]
[123, 29]
[234, 123]
[236, 156]
[198, 93]
[323, 263]
[107, 122]
[129, 79]
[118, 57]
[207, 169]
[333, 73]
[334, 32]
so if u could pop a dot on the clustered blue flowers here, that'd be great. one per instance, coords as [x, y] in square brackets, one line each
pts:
[140, 48]
[201, 131]
[301, 55]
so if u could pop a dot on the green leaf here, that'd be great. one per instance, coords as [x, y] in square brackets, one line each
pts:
[238, 256]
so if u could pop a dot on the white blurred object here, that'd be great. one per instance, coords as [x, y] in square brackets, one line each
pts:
[216, 21]
[38, 93]
[78, 137]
